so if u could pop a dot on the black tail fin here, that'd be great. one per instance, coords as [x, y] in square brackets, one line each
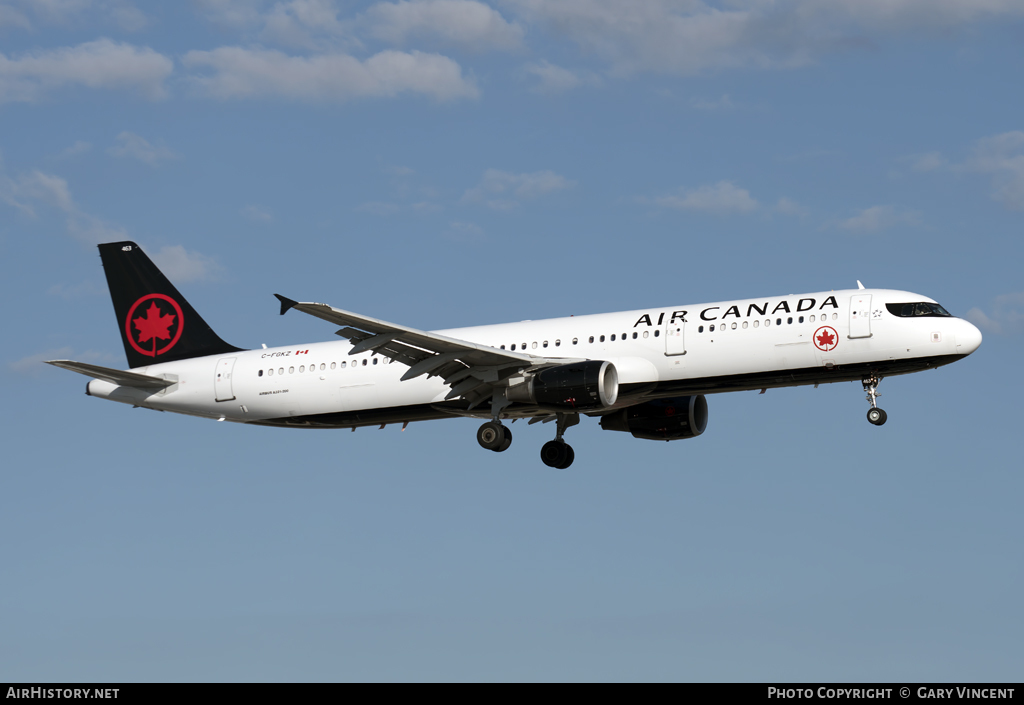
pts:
[157, 324]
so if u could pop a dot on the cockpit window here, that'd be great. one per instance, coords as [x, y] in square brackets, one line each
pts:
[917, 309]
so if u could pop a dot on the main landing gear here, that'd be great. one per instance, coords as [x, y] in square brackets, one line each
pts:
[558, 453]
[494, 436]
[876, 416]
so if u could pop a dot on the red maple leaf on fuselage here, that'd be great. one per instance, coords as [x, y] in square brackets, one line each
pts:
[826, 339]
[154, 325]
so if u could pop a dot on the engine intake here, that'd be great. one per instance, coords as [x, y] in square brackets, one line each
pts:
[593, 384]
[661, 420]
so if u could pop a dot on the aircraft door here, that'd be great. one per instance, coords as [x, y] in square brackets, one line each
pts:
[675, 340]
[222, 382]
[860, 316]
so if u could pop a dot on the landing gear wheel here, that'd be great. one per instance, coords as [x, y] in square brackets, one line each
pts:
[876, 416]
[554, 454]
[508, 440]
[570, 456]
[492, 436]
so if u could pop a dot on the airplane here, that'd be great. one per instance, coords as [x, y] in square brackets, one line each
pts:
[646, 372]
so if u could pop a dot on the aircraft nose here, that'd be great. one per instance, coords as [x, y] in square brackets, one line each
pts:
[968, 338]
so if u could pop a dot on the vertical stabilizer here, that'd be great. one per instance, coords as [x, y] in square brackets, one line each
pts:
[157, 324]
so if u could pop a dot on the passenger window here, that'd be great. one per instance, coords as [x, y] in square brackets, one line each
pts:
[502, 347]
[789, 321]
[558, 343]
[756, 323]
[545, 343]
[646, 333]
[767, 322]
[344, 365]
[260, 374]
[280, 370]
[534, 346]
[291, 370]
[734, 325]
[270, 372]
[711, 328]
[812, 318]
[513, 346]
[602, 338]
[778, 321]
[591, 339]
[375, 360]
[700, 329]
[524, 346]
[613, 337]
[333, 364]
[657, 333]
[835, 316]
[302, 368]
[634, 335]
[801, 319]
[575, 340]
[322, 367]
[744, 324]
[364, 363]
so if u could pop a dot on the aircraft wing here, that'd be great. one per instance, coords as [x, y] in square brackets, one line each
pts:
[469, 368]
[118, 377]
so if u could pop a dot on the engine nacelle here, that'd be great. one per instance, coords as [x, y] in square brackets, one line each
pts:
[662, 419]
[593, 384]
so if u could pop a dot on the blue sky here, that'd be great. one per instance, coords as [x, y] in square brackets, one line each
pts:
[443, 163]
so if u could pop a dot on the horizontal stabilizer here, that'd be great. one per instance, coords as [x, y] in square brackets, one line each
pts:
[118, 377]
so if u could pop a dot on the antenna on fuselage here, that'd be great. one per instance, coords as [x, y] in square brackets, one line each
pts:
[859, 285]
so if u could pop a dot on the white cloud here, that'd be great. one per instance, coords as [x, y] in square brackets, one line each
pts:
[385, 208]
[1006, 318]
[722, 103]
[183, 265]
[691, 36]
[930, 161]
[378, 208]
[40, 189]
[502, 190]
[306, 23]
[98, 64]
[723, 197]
[462, 23]
[556, 79]
[131, 145]
[235, 72]
[787, 206]
[121, 13]
[233, 14]
[79, 147]
[257, 214]
[462, 231]
[1002, 156]
[878, 218]
[10, 17]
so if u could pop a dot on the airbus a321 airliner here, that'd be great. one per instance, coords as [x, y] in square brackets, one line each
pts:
[644, 372]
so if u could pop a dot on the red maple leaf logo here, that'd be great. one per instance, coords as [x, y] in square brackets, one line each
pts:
[154, 325]
[826, 339]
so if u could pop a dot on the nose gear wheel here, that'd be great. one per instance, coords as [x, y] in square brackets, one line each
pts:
[876, 416]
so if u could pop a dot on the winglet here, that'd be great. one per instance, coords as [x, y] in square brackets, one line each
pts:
[286, 303]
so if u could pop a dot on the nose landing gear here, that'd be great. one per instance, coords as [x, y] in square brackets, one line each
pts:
[876, 416]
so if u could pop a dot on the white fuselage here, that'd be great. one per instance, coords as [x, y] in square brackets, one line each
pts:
[754, 343]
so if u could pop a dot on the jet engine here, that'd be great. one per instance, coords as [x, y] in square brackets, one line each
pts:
[661, 420]
[593, 384]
